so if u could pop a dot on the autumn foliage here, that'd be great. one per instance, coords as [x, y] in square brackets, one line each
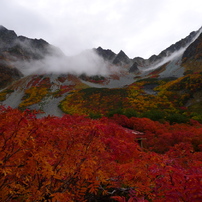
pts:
[75, 158]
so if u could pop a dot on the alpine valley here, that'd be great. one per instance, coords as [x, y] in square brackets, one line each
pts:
[31, 78]
[100, 126]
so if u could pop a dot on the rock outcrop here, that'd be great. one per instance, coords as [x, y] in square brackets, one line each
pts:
[107, 54]
[121, 59]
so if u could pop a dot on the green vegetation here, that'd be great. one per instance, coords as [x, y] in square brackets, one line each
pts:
[169, 104]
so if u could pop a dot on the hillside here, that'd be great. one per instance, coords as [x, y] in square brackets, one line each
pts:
[34, 77]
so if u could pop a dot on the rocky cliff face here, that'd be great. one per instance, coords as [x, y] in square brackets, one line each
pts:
[192, 57]
[107, 54]
[7, 38]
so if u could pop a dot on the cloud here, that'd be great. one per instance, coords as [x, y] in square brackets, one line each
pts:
[88, 62]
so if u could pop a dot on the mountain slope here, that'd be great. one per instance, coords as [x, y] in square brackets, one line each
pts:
[192, 57]
[48, 89]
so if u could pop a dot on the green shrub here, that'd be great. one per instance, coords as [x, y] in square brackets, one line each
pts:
[197, 117]
[177, 118]
[115, 111]
[155, 115]
[130, 112]
[94, 115]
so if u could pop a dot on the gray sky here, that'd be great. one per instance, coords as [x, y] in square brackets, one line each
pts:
[138, 27]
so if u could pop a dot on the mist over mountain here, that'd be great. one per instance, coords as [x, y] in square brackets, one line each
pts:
[38, 56]
[29, 65]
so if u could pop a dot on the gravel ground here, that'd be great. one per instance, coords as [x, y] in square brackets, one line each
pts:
[173, 69]
[123, 81]
[149, 89]
[14, 99]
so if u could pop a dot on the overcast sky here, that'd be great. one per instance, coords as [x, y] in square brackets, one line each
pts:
[138, 27]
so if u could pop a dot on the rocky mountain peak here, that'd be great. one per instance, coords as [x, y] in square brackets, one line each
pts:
[117, 59]
[121, 58]
[7, 37]
[107, 54]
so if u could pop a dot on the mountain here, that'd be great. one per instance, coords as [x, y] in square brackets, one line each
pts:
[20, 47]
[183, 43]
[173, 57]
[14, 49]
[33, 75]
